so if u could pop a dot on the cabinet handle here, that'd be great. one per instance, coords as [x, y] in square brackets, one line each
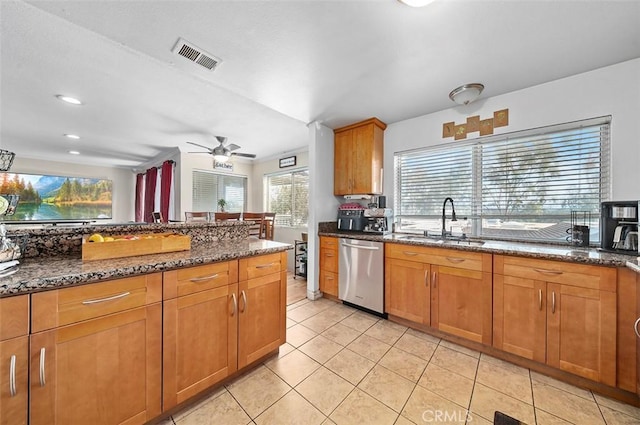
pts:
[328, 254]
[264, 266]
[329, 278]
[426, 278]
[553, 302]
[410, 253]
[635, 327]
[434, 279]
[235, 304]
[12, 376]
[101, 300]
[544, 271]
[455, 259]
[244, 301]
[202, 279]
[43, 379]
[540, 299]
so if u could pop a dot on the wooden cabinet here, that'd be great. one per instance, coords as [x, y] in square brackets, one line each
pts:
[563, 314]
[95, 353]
[14, 358]
[329, 265]
[200, 329]
[457, 285]
[358, 158]
[262, 306]
[628, 324]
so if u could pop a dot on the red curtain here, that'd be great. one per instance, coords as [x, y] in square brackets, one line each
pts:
[139, 197]
[150, 193]
[165, 189]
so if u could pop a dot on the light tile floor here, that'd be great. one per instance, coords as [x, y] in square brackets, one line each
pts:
[343, 366]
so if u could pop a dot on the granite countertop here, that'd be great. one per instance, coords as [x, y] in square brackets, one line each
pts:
[524, 249]
[43, 273]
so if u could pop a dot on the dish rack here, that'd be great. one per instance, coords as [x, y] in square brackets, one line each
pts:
[12, 248]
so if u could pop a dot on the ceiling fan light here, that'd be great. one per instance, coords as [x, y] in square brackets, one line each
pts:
[416, 3]
[466, 94]
[221, 158]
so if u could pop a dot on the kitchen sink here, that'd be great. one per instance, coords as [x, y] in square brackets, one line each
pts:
[413, 238]
[437, 240]
[463, 242]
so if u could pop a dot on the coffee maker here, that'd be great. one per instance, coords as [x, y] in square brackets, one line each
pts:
[378, 220]
[619, 227]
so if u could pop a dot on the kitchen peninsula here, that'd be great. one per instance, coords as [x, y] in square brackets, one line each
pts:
[156, 330]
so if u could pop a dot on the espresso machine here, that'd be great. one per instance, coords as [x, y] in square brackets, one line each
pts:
[378, 220]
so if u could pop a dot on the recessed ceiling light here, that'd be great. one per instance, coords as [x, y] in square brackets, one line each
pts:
[72, 136]
[69, 99]
[416, 3]
[74, 152]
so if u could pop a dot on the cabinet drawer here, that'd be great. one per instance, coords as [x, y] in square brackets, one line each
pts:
[262, 265]
[14, 317]
[188, 280]
[329, 260]
[442, 257]
[327, 242]
[329, 283]
[61, 307]
[580, 275]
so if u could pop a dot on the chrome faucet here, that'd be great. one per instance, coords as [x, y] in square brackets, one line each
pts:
[453, 216]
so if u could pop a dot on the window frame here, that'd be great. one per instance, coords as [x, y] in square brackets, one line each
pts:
[219, 188]
[267, 197]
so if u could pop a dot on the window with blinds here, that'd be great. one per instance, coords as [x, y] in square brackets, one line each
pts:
[288, 197]
[209, 187]
[518, 186]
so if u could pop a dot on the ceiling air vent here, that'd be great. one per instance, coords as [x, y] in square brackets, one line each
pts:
[195, 54]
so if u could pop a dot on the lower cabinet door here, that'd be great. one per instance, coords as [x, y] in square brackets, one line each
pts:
[520, 316]
[407, 290]
[261, 325]
[14, 385]
[581, 331]
[328, 283]
[103, 371]
[461, 303]
[200, 342]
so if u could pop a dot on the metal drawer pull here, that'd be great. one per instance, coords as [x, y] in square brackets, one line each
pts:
[426, 278]
[455, 259]
[544, 271]
[553, 302]
[540, 299]
[12, 376]
[329, 278]
[410, 253]
[101, 300]
[43, 379]
[434, 279]
[264, 266]
[635, 327]
[244, 301]
[235, 304]
[329, 254]
[201, 279]
[370, 248]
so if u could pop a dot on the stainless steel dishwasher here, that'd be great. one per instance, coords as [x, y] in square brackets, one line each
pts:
[361, 274]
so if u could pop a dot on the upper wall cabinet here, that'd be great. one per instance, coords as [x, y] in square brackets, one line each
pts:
[358, 158]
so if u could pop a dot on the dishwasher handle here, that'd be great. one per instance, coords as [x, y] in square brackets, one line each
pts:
[370, 248]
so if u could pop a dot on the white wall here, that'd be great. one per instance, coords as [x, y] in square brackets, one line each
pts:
[613, 90]
[123, 181]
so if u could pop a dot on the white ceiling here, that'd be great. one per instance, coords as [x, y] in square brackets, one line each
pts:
[284, 64]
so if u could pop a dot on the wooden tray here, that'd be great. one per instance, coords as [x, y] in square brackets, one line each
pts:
[150, 243]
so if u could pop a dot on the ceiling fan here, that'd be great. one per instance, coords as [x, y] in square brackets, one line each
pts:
[223, 152]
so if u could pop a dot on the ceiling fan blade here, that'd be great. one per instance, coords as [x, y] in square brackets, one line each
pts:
[233, 147]
[246, 155]
[208, 153]
[202, 146]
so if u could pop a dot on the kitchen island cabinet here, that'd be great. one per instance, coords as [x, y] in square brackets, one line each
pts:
[459, 289]
[14, 358]
[561, 314]
[96, 353]
[358, 158]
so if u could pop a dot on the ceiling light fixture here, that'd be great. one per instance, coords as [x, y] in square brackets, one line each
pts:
[69, 99]
[466, 94]
[221, 158]
[72, 136]
[74, 152]
[416, 3]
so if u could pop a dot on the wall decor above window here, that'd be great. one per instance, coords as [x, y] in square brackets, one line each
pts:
[485, 127]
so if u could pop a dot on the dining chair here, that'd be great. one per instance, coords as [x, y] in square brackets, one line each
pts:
[257, 228]
[196, 216]
[269, 225]
[225, 216]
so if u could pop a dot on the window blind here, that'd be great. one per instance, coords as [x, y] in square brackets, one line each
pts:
[208, 188]
[522, 185]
